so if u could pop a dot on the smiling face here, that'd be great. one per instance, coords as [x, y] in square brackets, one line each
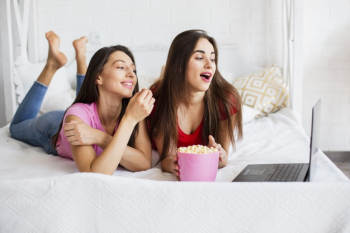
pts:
[118, 75]
[201, 66]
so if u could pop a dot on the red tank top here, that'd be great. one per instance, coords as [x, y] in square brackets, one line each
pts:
[190, 139]
[196, 137]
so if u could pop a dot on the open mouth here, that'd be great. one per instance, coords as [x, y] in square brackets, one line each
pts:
[206, 76]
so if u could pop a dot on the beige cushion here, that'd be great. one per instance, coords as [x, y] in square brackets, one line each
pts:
[264, 90]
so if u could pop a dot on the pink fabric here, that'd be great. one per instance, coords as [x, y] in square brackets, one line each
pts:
[88, 114]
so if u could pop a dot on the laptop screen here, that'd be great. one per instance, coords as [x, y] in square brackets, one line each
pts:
[314, 138]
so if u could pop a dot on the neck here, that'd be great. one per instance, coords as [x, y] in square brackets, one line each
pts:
[108, 109]
[195, 98]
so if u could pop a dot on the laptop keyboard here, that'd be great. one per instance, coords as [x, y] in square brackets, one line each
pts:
[285, 172]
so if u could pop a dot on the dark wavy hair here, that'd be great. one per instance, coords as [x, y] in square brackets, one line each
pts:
[89, 93]
[170, 92]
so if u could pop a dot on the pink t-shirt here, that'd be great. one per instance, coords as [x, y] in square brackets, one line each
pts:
[88, 114]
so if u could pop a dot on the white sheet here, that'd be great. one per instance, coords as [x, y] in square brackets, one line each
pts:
[39, 193]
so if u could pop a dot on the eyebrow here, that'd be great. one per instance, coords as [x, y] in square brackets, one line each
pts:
[118, 60]
[202, 51]
[123, 62]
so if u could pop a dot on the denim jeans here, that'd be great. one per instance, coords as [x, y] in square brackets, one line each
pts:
[80, 79]
[37, 131]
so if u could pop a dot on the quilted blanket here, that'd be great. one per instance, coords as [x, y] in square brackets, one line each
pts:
[44, 193]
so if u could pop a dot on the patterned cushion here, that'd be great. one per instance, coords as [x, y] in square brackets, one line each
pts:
[264, 90]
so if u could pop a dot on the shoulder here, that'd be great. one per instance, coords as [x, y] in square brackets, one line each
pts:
[81, 108]
[83, 111]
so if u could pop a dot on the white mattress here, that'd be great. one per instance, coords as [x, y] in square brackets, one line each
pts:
[44, 193]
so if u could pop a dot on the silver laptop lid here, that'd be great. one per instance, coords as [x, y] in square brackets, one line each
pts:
[314, 138]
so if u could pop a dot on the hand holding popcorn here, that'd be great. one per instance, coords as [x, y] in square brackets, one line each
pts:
[223, 153]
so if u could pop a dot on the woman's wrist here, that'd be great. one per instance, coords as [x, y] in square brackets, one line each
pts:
[128, 120]
[102, 139]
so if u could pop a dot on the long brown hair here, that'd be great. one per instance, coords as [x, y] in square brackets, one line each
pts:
[89, 93]
[170, 92]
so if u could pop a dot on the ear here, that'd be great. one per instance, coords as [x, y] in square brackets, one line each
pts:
[98, 80]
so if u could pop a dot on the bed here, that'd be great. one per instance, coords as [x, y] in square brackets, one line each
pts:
[44, 193]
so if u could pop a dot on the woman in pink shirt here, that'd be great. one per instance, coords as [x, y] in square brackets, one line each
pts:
[108, 104]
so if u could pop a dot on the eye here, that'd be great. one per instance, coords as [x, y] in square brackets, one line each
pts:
[120, 67]
[212, 60]
[199, 58]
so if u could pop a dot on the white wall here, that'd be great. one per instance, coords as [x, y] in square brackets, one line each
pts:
[252, 25]
[327, 70]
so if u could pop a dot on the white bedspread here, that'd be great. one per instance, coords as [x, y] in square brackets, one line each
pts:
[44, 193]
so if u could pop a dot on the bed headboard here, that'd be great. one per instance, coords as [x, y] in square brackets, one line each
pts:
[18, 37]
[19, 30]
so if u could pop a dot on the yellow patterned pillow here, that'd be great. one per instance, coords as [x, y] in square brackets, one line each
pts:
[264, 90]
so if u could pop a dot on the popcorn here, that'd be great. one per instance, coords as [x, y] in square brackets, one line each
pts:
[197, 149]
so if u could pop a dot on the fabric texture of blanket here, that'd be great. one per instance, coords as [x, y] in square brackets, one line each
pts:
[44, 193]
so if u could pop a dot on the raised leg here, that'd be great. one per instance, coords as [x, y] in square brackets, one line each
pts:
[80, 56]
[30, 106]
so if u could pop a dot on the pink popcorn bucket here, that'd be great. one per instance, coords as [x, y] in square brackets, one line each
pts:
[198, 167]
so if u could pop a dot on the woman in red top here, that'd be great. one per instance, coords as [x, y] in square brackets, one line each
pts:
[194, 103]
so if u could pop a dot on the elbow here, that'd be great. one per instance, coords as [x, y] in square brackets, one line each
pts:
[101, 172]
[147, 164]
[92, 169]
[144, 165]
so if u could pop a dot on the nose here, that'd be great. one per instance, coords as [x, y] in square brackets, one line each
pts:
[208, 64]
[130, 72]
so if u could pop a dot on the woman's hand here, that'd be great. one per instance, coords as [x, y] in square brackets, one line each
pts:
[176, 168]
[222, 152]
[80, 134]
[170, 164]
[140, 105]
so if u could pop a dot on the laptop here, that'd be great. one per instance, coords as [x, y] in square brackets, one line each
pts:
[296, 172]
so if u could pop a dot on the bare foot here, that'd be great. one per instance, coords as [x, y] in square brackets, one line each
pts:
[80, 54]
[80, 46]
[55, 59]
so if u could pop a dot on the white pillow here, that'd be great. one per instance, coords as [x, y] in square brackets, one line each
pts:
[58, 102]
[248, 114]
[25, 75]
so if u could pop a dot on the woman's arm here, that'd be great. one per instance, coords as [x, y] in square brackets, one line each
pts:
[140, 157]
[81, 134]
[133, 159]
[169, 164]
[140, 106]
[108, 161]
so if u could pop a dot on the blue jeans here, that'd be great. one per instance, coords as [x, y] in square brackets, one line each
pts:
[37, 131]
